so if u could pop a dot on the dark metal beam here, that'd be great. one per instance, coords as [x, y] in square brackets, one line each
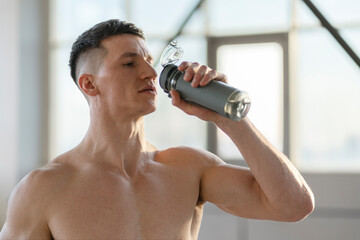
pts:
[333, 31]
[183, 24]
[186, 20]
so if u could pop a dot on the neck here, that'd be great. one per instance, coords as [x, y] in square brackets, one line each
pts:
[121, 142]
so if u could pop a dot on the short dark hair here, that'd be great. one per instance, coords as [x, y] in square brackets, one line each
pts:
[91, 39]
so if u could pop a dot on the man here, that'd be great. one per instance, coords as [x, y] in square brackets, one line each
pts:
[115, 185]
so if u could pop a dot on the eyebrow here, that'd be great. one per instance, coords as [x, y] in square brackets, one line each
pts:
[149, 57]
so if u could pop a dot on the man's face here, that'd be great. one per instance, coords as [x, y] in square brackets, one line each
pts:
[126, 79]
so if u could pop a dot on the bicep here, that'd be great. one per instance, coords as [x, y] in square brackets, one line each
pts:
[235, 190]
[21, 226]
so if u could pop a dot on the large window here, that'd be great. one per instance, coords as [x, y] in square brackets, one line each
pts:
[326, 87]
[314, 109]
[327, 109]
[258, 65]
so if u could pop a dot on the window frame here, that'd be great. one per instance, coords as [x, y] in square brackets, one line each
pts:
[213, 43]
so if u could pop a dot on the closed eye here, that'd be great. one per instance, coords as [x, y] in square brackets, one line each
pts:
[129, 64]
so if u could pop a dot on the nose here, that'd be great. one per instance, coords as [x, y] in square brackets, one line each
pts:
[149, 72]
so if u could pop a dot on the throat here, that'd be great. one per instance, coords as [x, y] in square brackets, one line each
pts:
[119, 144]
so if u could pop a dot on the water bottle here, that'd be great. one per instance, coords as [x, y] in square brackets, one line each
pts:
[217, 96]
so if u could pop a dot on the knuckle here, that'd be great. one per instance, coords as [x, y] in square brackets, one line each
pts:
[212, 72]
[185, 63]
[224, 78]
[203, 68]
[195, 64]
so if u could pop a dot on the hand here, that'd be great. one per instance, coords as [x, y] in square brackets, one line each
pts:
[199, 76]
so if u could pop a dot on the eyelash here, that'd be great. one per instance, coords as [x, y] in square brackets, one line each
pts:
[132, 64]
[129, 64]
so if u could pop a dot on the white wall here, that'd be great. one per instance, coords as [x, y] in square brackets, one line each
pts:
[23, 88]
[9, 92]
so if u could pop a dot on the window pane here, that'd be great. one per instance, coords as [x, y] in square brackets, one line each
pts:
[70, 18]
[352, 36]
[336, 12]
[160, 17]
[257, 69]
[327, 112]
[234, 17]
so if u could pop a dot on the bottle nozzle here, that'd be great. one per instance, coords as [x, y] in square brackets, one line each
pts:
[171, 54]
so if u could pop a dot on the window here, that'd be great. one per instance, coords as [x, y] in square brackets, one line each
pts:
[327, 108]
[314, 86]
[240, 17]
[255, 64]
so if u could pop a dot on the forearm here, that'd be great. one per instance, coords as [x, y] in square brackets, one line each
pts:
[278, 179]
[277, 182]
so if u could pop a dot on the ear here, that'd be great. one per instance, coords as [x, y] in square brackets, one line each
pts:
[86, 84]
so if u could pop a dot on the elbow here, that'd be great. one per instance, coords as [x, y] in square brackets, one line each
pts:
[301, 213]
[302, 208]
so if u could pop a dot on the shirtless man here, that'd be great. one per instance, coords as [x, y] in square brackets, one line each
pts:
[115, 185]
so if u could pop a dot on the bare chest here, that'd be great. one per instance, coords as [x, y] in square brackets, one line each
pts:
[161, 206]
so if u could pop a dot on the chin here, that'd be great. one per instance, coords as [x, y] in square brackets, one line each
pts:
[150, 110]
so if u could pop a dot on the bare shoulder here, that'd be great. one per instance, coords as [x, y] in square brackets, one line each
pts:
[37, 188]
[183, 155]
[29, 204]
[44, 179]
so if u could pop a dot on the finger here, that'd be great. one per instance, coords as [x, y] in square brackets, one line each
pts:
[191, 71]
[222, 77]
[177, 101]
[180, 103]
[199, 75]
[192, 109]
[184, 65]
[210, 75]
[186, 107]
[213, 75]
[175, 96]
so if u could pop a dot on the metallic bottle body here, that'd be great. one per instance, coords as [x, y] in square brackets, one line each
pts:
[217, 96]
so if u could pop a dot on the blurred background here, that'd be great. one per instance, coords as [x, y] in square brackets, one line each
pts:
[305, 92]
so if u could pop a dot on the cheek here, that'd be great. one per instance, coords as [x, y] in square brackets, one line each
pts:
[121, 91]
[118, 85]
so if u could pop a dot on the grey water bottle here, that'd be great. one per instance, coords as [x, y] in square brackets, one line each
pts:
[217, 96]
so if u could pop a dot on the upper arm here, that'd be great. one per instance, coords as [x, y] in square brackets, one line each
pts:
[234, 189]
[26, 214]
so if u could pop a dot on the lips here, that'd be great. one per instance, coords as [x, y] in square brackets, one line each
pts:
[149, 88]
